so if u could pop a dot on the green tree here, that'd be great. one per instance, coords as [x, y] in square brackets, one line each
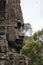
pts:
[32, 50]
[33, 46]
[27, 28]
[38, 35]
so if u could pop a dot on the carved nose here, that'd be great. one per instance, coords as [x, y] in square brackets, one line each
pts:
[20, 35]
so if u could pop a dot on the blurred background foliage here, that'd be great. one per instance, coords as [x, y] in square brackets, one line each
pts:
[33, 46]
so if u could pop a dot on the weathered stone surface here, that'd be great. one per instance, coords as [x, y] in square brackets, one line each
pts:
[11, 22]
[11, 33]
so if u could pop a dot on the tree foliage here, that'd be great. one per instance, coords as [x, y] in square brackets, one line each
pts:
[33, 48]
[27, 28]
[38, 34]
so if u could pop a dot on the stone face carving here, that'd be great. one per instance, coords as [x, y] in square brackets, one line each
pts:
[15, 22]
[12, 21]
[11, 33]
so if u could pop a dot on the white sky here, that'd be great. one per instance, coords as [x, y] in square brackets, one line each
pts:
[33, 13]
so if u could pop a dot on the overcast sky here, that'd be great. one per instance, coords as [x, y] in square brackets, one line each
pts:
[33, 13]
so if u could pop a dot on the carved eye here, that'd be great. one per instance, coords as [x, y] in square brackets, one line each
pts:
[18, 24]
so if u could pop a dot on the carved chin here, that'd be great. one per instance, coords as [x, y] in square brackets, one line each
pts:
[15, 44]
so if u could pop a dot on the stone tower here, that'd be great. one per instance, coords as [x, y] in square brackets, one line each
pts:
[11, 33]
[11, 23]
